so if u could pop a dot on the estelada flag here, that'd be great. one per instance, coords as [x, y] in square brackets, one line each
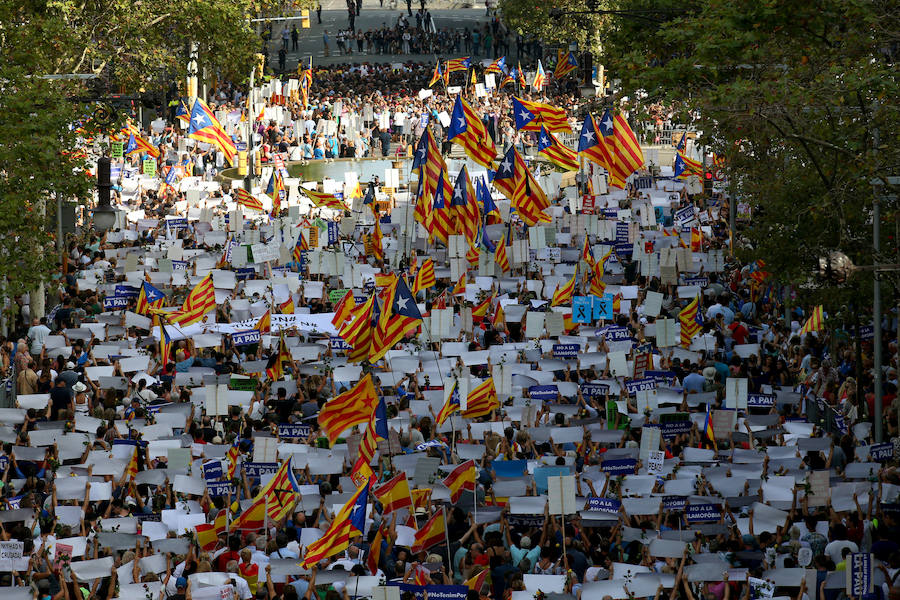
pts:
[350, 408]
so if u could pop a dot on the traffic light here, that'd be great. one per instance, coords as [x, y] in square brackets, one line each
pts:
[707, 182]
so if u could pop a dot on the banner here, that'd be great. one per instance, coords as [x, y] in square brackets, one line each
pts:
[859, 574]
[703, 513]
[760, 400]
[255, 470]
[543, 392]
[212, 470]
[434, 592]
[566, 350]
[217, 489]
[114, 302]
[292, 430]
[640, 385]
[609, 505]
[245, 338]
[594, 390]
[881, 452]
[619, 466]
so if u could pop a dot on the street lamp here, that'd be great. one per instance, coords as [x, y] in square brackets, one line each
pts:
[104, 215]
[837, 266]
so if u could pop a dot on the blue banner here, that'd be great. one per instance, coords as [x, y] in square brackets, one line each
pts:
[243, 273]
[674, 502]
[683, 215]
[179, 265]
[114, 302]
[619, 466]
[661, 377]
[294, 430]
[254, 470]
[640, 385]
[566, 350]
[245, 338]
[333, 233]
[435, 592]
[338, 343]
[126, 291]
[212, 470]
[543, 392]
[673, 428]
[760, 400]
[621, 231]
[594, 390]
[610, 505]
[430, 444]
[179, 223]
[624, 248]
[859, 574]
[614, 333]
[703, 513]
[840, 423]
[218, 489]
[867, 332]
[881, 452]
[581, 309]
[603, 307]
[702, 281]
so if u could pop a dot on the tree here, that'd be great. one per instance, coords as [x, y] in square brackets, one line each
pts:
[38, 165]
[135, 43]
[791, 96]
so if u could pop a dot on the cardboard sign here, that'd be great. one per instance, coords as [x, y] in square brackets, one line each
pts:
[148, 167]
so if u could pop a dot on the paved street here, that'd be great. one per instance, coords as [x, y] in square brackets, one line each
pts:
[446, 14]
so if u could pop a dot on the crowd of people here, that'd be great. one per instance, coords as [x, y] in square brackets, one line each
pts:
[741, 462]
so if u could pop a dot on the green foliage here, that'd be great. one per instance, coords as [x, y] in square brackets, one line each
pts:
[552, 22]
[135, 44]
[34, 169]
[791, 94]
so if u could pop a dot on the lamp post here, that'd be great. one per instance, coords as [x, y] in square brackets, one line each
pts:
[837, 266]
[104, 215]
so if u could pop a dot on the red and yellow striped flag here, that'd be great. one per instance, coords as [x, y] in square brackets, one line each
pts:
[815, 322]
[424, 277]
[431, 534]
[349, 523]
[481, 400]
[353, 407]
[460, 479]
[200, 301]
[394, 493]
[500, 256]
[563, 295]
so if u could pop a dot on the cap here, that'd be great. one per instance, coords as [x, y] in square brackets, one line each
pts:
[70, 365]
[525, 542]
[181, 582]
[709, 373]
[79, 387]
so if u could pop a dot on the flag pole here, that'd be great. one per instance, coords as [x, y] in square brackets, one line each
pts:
[447, 540]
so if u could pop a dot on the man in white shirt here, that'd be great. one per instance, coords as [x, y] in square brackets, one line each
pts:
[37, 334]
